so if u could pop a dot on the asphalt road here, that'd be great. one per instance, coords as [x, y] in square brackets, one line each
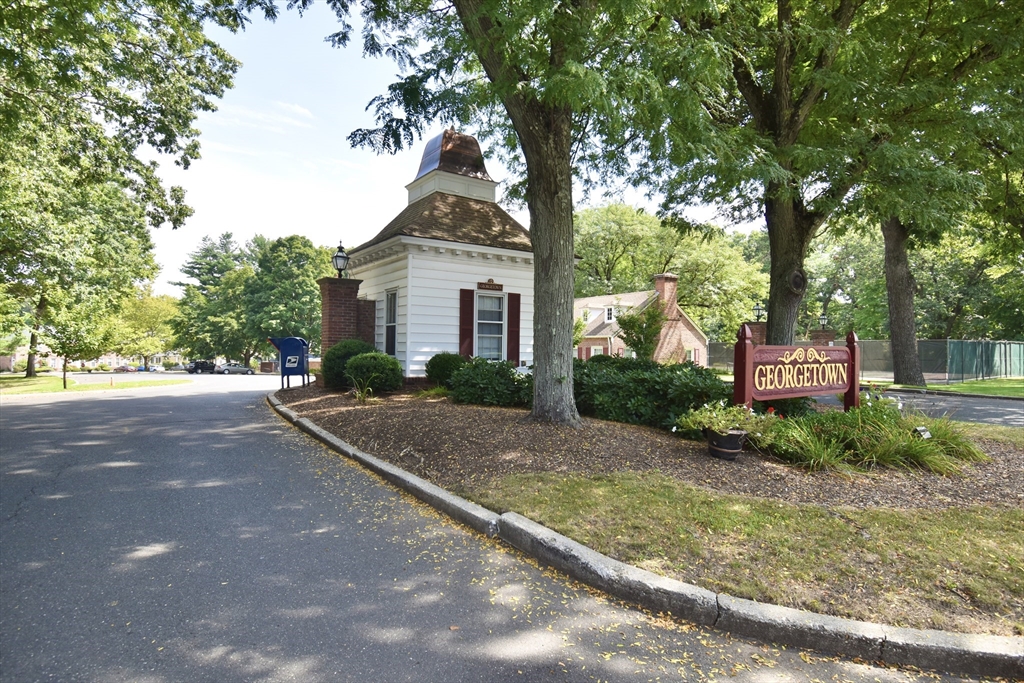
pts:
[996, 410]
[185, 533]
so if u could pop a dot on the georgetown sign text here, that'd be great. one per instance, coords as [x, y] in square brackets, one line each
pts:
[766, 373]
[786, 371]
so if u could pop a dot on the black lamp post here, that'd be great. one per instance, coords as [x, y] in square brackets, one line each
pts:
[758, 312]
[340, 260]
[823, 320]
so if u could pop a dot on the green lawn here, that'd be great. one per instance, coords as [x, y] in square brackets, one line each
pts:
[955, 569]
[1007, 386]
[19, 384]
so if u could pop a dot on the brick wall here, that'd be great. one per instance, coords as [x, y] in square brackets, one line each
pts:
[339, 310]
[822, 337]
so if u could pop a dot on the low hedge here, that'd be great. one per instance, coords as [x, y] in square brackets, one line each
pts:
[491, 383]
[442, 366]
[639, 391]
[377, 371]
[334, 361]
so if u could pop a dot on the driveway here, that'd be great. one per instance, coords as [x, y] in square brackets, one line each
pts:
[186, 533]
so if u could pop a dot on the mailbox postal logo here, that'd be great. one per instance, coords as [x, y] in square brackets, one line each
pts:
[291, 361]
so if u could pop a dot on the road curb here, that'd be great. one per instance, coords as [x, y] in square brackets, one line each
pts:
[956, 653]
[949, 394]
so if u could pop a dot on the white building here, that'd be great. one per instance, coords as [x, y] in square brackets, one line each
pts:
[453, 271]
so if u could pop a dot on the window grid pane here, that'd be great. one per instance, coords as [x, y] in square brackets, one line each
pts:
[490, 327]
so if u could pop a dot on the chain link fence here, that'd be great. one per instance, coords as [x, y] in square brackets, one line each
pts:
[943, 361]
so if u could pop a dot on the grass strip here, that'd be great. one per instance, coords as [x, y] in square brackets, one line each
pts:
[950, 569]
[43, 385]
[1005, 386]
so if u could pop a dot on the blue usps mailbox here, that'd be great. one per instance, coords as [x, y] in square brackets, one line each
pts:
[293, 357]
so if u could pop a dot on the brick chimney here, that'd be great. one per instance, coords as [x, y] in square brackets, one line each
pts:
[665, 285]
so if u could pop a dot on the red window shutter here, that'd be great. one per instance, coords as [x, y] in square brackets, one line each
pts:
[512, 343]
[466, 322]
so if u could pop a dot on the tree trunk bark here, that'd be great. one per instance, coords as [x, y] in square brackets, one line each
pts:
[65, 372]
[899, 286]
[546, 139]
[33, 343]
[789, 239]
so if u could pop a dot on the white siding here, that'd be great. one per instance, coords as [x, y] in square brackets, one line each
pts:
[428, 282]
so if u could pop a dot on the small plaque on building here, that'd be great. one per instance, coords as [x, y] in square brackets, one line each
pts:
[490, 285]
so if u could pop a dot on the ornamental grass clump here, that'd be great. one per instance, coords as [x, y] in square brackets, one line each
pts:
[875, 435]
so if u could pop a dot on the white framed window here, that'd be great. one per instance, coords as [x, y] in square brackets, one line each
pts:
[609, 314]
[490, 326]
[585, 314]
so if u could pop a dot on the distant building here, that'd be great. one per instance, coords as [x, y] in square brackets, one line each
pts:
[681, 339]
[452, 272]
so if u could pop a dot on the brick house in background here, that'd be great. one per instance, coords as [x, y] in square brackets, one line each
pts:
[680, 339]
[451, 272]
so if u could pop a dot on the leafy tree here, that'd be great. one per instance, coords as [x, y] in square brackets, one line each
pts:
[283, 299]
[819, 95]
[541, 77]
[62, 229]
[113, 76]
[208, 264]
[76, 326]
[621, 249]
[144, 326]
[640, 330]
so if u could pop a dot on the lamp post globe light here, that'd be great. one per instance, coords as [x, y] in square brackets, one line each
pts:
[340, 260]
[758, 312]
[823, 320]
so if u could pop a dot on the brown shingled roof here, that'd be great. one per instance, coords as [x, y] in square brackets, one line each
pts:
[452, 218]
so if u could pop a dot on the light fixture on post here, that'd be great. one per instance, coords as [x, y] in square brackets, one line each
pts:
[340, 260]
[758, 312]
[823, 320]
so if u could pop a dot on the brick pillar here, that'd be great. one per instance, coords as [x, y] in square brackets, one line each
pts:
[339, 310]
[823, 337]
[758, 332]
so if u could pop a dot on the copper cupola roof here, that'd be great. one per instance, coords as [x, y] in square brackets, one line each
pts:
[456, 153]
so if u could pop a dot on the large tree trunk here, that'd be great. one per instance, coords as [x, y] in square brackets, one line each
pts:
[899, 287]
[789, 236]
[546, 139]
[545, 136]
[33, 343]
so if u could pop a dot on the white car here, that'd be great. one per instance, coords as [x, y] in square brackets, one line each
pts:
[233, 369]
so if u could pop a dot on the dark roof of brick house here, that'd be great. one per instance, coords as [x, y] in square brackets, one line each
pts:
[454, 153]
[452, 218]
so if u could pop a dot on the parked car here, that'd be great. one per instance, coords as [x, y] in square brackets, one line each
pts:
[176, 368]
[125, 368]
[152, 368]
[201, 366]
[233, 368]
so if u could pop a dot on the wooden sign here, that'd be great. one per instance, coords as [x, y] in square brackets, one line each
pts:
[765, 373]
[490, 285]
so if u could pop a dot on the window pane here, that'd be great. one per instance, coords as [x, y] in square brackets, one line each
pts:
[489, 328]
[490, 315]
[489, 347]
[489, 303]
[391, 313]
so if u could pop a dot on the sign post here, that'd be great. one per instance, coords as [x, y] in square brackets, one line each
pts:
[293, 357]
[765, 373]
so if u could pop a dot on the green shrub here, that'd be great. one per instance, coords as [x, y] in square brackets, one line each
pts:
[874, 435]
[377, 371]
[332, 365]
[640, 391]
[21, 366]
[442, 366]
[103, 367]
[491, 383]
[601, 358]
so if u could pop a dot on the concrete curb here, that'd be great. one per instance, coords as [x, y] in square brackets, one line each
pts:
[952, 394]
[956, 653]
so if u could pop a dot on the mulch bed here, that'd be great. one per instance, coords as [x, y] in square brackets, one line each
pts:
[452, 445]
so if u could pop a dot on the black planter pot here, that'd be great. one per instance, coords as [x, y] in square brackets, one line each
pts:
[725, 446]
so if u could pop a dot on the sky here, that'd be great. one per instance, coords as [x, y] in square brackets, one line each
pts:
[275, 159]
